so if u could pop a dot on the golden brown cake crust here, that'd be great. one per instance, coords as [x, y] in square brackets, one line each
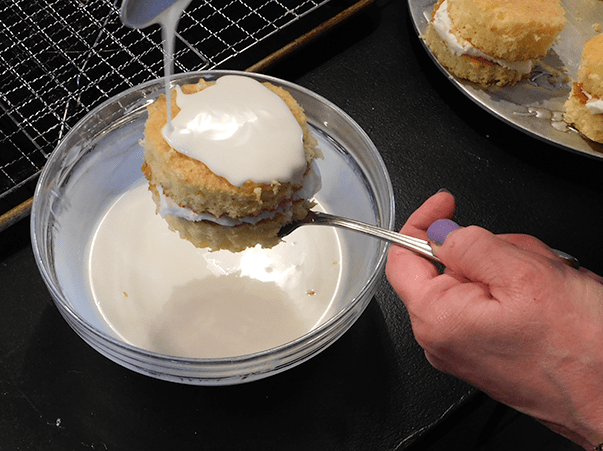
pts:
[590, 73]
[191, 184]
[589, 85]
[515, 30]
[577, 114]
[477, 70]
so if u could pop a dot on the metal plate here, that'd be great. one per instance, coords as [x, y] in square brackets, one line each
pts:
[535, 105]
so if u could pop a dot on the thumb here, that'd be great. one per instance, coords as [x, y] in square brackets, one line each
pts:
[478, 255]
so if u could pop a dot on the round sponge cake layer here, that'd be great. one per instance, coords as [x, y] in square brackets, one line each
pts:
[191, 184]
[515, 30]
[208, 234]
[576, 113]
[590, 73]
[477, 70]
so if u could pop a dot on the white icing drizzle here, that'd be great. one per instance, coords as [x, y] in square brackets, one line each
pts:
[459, 46]
[241, 131]
[168, 20]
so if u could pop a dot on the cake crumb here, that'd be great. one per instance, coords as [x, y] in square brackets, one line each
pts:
[597, 27]
[311, 293]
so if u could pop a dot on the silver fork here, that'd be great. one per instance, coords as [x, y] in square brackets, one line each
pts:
[417, 245]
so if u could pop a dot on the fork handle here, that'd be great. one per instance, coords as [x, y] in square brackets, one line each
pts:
[417, 245]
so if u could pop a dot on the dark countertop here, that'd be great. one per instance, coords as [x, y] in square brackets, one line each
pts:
[373, 388]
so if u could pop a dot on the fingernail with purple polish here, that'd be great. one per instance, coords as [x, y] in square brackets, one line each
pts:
[439, 230]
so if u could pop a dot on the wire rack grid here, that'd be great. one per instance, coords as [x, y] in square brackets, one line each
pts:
[61, 58]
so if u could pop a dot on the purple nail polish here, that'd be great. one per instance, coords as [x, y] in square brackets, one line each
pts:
[439, 230]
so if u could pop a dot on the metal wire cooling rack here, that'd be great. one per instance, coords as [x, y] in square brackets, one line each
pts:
[61, 58]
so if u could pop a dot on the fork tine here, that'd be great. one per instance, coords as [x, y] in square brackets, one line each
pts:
[288, 228]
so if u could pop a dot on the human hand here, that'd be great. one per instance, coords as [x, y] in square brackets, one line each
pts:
[510, 318]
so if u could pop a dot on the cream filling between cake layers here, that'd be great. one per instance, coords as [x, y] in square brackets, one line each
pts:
[311, 185]
[459, 46]
[593, 104]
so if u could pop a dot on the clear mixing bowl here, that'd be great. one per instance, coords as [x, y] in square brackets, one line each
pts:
[100, 159]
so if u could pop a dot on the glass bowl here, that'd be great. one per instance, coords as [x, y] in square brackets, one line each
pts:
[99, 160]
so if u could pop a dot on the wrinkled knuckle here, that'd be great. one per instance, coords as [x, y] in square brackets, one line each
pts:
[473, 233]
[535, 277]
[465, 238]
